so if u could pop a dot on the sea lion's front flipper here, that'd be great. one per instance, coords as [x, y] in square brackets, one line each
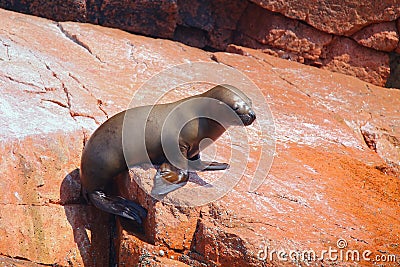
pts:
[199, 165]
[214, 166]
[118, 206]
[168, 178]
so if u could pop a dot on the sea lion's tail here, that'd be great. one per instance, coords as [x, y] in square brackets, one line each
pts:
[118, 206]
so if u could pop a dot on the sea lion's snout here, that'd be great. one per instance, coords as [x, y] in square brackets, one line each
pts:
[248, 117]
[252, 115]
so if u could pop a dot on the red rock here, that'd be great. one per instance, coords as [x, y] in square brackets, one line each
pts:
[4, 262]
[154, 18]
[51, 102]
[279, 32]
[276, 52]
[60, 81]
[52, 234]
[382, 142]
[382, 36]
[290, 39]
[75, 10]
[343, 55]
[287, 29]
[294, 196]
[340, 18]
[135, 252]
[218, 19]
[166, 224]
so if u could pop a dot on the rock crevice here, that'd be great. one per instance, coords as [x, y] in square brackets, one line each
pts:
[75, 39]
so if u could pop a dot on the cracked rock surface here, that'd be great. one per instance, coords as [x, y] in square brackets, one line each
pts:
[335, 173]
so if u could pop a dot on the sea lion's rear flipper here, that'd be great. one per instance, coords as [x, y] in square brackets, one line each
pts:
[168, 179]
[118, 206]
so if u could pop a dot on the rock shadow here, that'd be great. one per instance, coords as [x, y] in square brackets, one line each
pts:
[91, 227]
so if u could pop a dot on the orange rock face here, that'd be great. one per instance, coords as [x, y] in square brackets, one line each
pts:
[300, 31]
[337, 17]
[382, 36]
[334, 182]
[282, 34]
[343, 55]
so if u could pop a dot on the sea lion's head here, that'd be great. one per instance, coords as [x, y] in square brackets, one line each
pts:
[236, 100]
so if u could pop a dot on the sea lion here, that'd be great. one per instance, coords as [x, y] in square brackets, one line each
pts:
[148, 134]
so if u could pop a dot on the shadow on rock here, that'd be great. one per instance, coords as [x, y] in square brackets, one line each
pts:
[129, 189]
[91, 227]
